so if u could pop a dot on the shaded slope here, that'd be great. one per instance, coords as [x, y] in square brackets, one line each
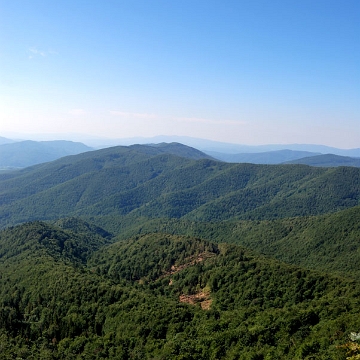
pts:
[82, 227]
[41, 238]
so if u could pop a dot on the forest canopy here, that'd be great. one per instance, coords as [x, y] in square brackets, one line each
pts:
[146, 253]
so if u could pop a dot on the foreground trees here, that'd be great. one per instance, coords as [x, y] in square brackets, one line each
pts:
[126, 300]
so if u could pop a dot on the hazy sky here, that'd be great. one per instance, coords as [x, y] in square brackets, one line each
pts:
[248, 72]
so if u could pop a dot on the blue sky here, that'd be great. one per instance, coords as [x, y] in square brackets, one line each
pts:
[248, 72]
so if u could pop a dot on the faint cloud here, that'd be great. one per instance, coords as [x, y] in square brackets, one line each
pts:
[35, 52]
[77, 112]
[133, 115]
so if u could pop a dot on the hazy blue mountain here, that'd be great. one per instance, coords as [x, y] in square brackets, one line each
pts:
[269, 157]
[209, 146]
[4, 140]
[327, 160]
[26, 153]
[312, 148]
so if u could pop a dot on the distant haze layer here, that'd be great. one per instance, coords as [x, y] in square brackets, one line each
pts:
[244, 72]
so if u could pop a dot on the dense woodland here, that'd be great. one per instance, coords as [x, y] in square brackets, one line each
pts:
[160, 252]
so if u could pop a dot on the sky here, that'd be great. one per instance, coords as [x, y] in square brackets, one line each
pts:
[245, 71]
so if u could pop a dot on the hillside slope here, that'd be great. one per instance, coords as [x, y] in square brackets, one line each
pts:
[163, 296]
[328, 243]
[148, 181]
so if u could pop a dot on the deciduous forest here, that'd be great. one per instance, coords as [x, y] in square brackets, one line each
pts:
[161, 252]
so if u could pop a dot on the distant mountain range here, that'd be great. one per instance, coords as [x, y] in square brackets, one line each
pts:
[26, 153]
[20, 154]
[255, 154]
[327, 160]
[209, 146]
[269, 157]
[4, 140]
[288, 157]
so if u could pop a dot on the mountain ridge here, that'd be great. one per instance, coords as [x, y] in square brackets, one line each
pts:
[26, 153]
[327, 160]
[269, 157]
[228, 148]
[146, 181]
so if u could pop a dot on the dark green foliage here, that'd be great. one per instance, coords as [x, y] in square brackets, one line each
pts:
[150, 257]
[60, 244]
[328, 243]
[147, 181]
[157, 277]
[53, 307]
[80, 226]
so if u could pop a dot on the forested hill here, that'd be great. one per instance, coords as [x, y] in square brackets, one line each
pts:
[151, 181]
[143, 256]
[66, 295]
[329, 242]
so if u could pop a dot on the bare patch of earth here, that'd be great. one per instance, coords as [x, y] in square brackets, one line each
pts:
[193, 260]
[202, 298]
